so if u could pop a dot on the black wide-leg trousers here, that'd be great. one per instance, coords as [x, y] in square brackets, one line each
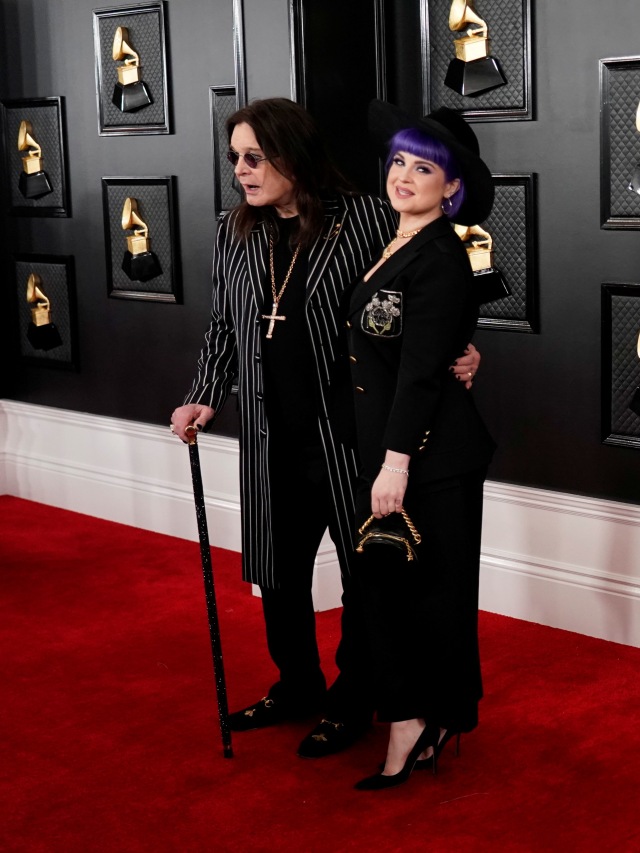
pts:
[302, 509]
[422, 616]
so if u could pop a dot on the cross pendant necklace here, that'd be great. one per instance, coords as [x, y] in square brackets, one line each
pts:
[272, 319]
[277, 294]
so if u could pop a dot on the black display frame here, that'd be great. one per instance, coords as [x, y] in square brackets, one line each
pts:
[491, 109]
[616, 136]
[161, 219]
[518, 258]
[222, 168]
[105, 77]
[55, 153]
[619, 376]
[39, 263]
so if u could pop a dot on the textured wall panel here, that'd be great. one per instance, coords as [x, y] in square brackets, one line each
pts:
[145, 25]
[512, 226]
[59, 287]
[155, 208]
[46, 117]
[509, 42]
[620, 363]
[620, 141]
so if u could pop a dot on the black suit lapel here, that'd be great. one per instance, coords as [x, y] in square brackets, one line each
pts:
[257, 253]
[389, 271]
[322, 250]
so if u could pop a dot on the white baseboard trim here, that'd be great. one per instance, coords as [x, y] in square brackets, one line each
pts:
[559, 559]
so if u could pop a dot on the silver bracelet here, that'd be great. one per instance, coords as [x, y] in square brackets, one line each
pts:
[395, 470]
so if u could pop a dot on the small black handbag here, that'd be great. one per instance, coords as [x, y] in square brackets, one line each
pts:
[396, 529]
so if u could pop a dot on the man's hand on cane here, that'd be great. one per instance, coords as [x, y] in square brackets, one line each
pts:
[192, 414]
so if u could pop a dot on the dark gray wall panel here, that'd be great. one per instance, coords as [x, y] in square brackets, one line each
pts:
[540, 393]
[137, 359]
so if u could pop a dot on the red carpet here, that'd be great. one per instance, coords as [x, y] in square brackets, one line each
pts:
[111, 740]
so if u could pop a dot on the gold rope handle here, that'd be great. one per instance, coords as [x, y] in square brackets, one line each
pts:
[366, 524]
[414, 532]
[417, 538]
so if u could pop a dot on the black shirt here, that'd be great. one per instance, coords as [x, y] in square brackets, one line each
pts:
[288, 362]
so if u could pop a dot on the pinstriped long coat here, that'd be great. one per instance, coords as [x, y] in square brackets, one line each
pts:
[356, 228]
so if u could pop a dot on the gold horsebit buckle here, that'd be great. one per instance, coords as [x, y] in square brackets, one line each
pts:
[268, 703]
[336, 726]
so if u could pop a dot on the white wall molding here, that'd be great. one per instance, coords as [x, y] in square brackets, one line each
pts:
[120, 470]
[563, 560]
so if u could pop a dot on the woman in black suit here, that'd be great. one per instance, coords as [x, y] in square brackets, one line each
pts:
[421, 443]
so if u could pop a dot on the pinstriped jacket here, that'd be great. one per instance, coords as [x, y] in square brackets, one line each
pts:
[356, 228]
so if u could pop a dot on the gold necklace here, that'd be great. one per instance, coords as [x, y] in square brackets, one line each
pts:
[277, 294]
[386, 254]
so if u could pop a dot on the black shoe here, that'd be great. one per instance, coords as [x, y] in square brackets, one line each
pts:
[428, 737]
[266, 712]
[427, 763]
[328, 738]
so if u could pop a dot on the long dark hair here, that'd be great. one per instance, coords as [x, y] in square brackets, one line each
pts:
[289, 136]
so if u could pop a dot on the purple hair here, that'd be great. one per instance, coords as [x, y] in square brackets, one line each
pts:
[421, 145]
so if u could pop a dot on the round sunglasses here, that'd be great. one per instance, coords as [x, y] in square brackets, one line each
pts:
[251, 160]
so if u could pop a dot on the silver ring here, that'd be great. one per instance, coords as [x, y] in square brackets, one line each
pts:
[470, 374]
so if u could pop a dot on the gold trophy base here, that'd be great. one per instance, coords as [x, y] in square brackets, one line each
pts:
[474, 78]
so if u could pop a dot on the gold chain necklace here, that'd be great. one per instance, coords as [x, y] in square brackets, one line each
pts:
[277, 294]
[386, 254]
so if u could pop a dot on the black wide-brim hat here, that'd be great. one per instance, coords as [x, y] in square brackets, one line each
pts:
[447, 126]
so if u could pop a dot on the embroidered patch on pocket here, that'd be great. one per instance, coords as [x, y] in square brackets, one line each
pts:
[382, 316]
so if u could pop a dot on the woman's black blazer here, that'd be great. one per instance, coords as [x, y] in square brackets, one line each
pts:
[405, 327]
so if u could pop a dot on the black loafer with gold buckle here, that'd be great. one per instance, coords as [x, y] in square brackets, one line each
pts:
[266, 712]
[330, 737]
[271, 712]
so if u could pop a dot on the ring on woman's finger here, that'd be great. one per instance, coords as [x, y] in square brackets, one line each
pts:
[470, 374]
[171, 428]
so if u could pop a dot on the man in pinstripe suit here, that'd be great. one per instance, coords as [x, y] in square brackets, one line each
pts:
[282, 261]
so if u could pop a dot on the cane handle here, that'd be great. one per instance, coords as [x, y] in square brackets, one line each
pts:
[192, 432]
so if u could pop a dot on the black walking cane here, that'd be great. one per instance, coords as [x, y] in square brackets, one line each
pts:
[209, 592]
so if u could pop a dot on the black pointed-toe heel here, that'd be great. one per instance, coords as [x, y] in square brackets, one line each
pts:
[447, 737]
[427, 763]
[428, 737]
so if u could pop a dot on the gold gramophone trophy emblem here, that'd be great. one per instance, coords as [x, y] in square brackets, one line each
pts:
[473, 70]
[130, 92]
[138, 262]
[42, 334]
[34, 181]
[479, 245]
